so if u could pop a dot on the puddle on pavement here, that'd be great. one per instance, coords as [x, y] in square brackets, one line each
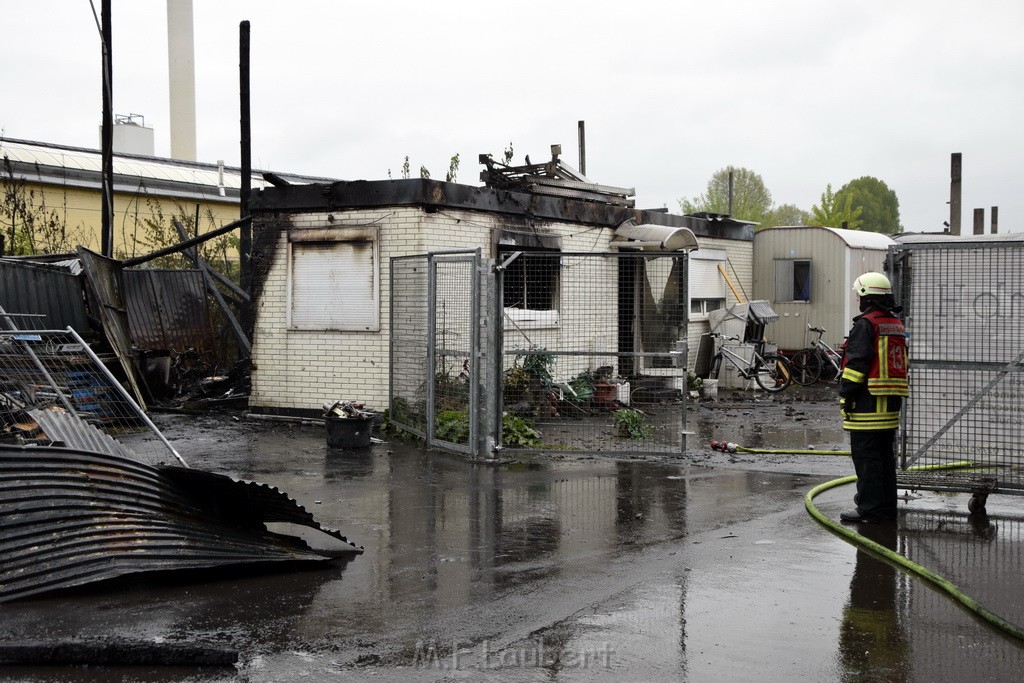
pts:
[585, 553]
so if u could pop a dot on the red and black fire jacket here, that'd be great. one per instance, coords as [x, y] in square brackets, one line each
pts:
[874, 379]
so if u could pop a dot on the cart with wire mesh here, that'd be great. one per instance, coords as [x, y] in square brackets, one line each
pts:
[963, 303]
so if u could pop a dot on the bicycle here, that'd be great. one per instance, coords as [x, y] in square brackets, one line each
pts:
[770, 370]
[809, 364]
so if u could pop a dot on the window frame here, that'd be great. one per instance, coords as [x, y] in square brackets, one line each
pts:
[336, 322]
[786, 283]
[525, 316]
[701, 284]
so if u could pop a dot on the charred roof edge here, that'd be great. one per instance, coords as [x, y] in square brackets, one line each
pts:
[437, 194]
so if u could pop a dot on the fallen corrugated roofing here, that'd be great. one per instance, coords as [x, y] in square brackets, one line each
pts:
[71, 517]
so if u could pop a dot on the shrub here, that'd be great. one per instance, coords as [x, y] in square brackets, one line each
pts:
[632, 423]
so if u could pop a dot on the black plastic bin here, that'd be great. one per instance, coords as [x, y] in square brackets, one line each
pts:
[349, 432]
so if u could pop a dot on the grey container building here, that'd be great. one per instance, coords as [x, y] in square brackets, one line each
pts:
[807, 274]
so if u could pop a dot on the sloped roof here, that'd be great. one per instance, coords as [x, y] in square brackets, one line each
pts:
[51, 156]
[861, 239]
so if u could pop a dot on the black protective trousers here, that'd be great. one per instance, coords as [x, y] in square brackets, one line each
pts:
[874, 460]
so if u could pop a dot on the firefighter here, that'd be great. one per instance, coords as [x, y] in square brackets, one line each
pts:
[872, 387]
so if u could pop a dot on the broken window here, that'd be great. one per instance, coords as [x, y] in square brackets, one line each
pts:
[530, 292]
[792, 280]
[334, 283]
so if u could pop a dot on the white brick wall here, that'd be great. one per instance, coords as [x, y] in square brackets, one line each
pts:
[303, 369]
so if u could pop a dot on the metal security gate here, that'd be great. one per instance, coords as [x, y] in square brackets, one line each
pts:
[592, 357]
[434, 349]
[964, 309]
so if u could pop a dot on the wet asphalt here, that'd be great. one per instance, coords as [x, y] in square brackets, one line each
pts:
[699, 567]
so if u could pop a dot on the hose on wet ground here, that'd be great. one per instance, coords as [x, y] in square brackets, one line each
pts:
[729, 447]
[902, 562]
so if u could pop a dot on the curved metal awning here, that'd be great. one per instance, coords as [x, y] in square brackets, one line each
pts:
[649, 237]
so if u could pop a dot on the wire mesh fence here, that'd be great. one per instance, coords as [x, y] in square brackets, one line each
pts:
[963, 304]
[591, 356]
[409, 349]
[456, 326]
[435, 328]
[55, 390]
[584, 352]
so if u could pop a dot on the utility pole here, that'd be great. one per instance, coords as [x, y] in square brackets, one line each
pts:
[107, 135]
[245, 234]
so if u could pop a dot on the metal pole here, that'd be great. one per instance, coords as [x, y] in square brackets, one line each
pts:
[431, 347]
[125, 395]
[583, 148]
[684, 297]
[474, 352]
[730, 192]
[245, 119]
[107, 143]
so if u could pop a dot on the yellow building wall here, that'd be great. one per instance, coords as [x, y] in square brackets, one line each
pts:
[66, 217]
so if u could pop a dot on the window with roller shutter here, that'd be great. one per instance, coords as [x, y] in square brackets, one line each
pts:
[333, 280]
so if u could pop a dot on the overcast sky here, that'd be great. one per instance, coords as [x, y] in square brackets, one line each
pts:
[802, 92]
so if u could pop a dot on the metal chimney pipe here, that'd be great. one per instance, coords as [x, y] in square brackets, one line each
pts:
[730, 192]
[182, 71]
[583, 148]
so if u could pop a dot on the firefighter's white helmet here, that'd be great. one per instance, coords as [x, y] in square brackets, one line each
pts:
[872, 283]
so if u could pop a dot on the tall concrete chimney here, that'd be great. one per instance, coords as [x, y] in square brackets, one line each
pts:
[182, 71]
[954, 194]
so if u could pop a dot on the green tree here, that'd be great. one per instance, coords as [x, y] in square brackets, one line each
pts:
[786, 214]
[833, 213]
[880, 208]
[751, 200]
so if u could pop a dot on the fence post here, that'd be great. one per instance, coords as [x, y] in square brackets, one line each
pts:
[489, 421]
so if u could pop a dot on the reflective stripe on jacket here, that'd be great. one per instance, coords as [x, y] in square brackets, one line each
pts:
[874, 377]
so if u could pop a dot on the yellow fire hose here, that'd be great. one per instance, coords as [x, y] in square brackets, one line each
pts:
[881, 551]
[902, 562]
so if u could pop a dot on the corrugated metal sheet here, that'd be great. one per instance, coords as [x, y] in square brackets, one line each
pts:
[103, 283]
[763, 311]
[50, 290]
[73, 432]
[70, 517]
[167, 309]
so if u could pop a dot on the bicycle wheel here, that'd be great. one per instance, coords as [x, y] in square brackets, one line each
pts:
[775, 375]
[716, 366]
[806, 365]
[830, 368]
